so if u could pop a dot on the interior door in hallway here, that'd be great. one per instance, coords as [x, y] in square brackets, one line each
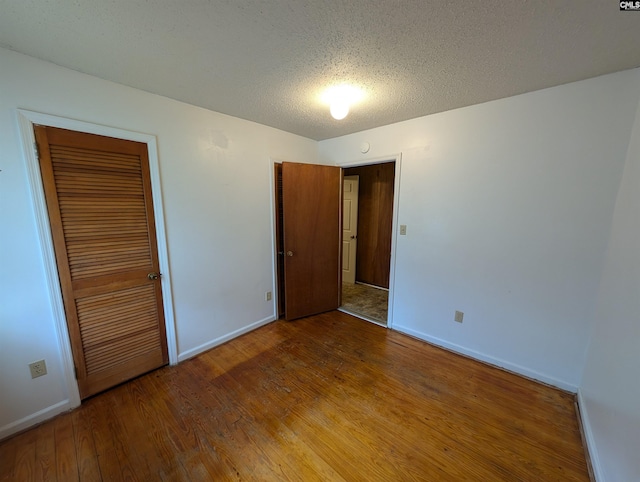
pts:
[98, 194]
[375, 222]
[312, 231]
[349, 228]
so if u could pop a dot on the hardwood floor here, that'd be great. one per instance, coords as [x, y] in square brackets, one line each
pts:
[329, 397]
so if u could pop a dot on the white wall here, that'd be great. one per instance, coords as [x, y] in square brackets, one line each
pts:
[216, 183]
[610, 390]
[508, 208]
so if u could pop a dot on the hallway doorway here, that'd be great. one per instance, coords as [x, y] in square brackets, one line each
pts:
[368, 295]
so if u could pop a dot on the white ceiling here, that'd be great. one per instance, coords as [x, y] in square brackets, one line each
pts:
[268, 61]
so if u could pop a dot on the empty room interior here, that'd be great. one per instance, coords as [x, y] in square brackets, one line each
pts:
[177, 247]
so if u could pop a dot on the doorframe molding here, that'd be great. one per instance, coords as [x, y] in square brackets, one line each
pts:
[397, 158]
[26, 120]
[274, 245]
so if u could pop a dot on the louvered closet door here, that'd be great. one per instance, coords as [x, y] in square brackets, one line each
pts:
[98, 194]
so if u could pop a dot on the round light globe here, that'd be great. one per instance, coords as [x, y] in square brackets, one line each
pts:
[339, 110]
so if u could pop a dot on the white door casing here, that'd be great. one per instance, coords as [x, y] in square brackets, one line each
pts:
[26, 120]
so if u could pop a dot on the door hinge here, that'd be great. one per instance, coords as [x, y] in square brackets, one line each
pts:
[35, 146]
[75, 371]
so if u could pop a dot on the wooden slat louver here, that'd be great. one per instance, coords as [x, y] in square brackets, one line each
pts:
[117, 327]
[103, 211]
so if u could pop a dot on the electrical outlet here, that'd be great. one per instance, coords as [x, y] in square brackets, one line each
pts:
[267, 296]
[38, 368]
[458, 316]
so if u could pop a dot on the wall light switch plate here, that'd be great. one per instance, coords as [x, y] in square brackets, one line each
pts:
[458, 316]
[403, 229]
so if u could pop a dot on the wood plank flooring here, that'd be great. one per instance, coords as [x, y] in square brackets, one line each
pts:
[330, 398]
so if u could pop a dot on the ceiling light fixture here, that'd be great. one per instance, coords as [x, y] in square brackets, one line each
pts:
[339, 109]
[340, 99]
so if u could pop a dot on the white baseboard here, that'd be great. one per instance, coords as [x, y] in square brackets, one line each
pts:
[219, 341]
[589, 438]
[34, 418]
[488, 359]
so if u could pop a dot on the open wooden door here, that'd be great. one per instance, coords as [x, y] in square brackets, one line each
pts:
[312, 231]
[98, 193]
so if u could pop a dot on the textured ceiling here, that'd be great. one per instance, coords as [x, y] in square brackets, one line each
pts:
[268, 61]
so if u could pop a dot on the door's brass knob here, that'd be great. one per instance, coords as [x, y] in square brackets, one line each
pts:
[153, 276]
[289, 253]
